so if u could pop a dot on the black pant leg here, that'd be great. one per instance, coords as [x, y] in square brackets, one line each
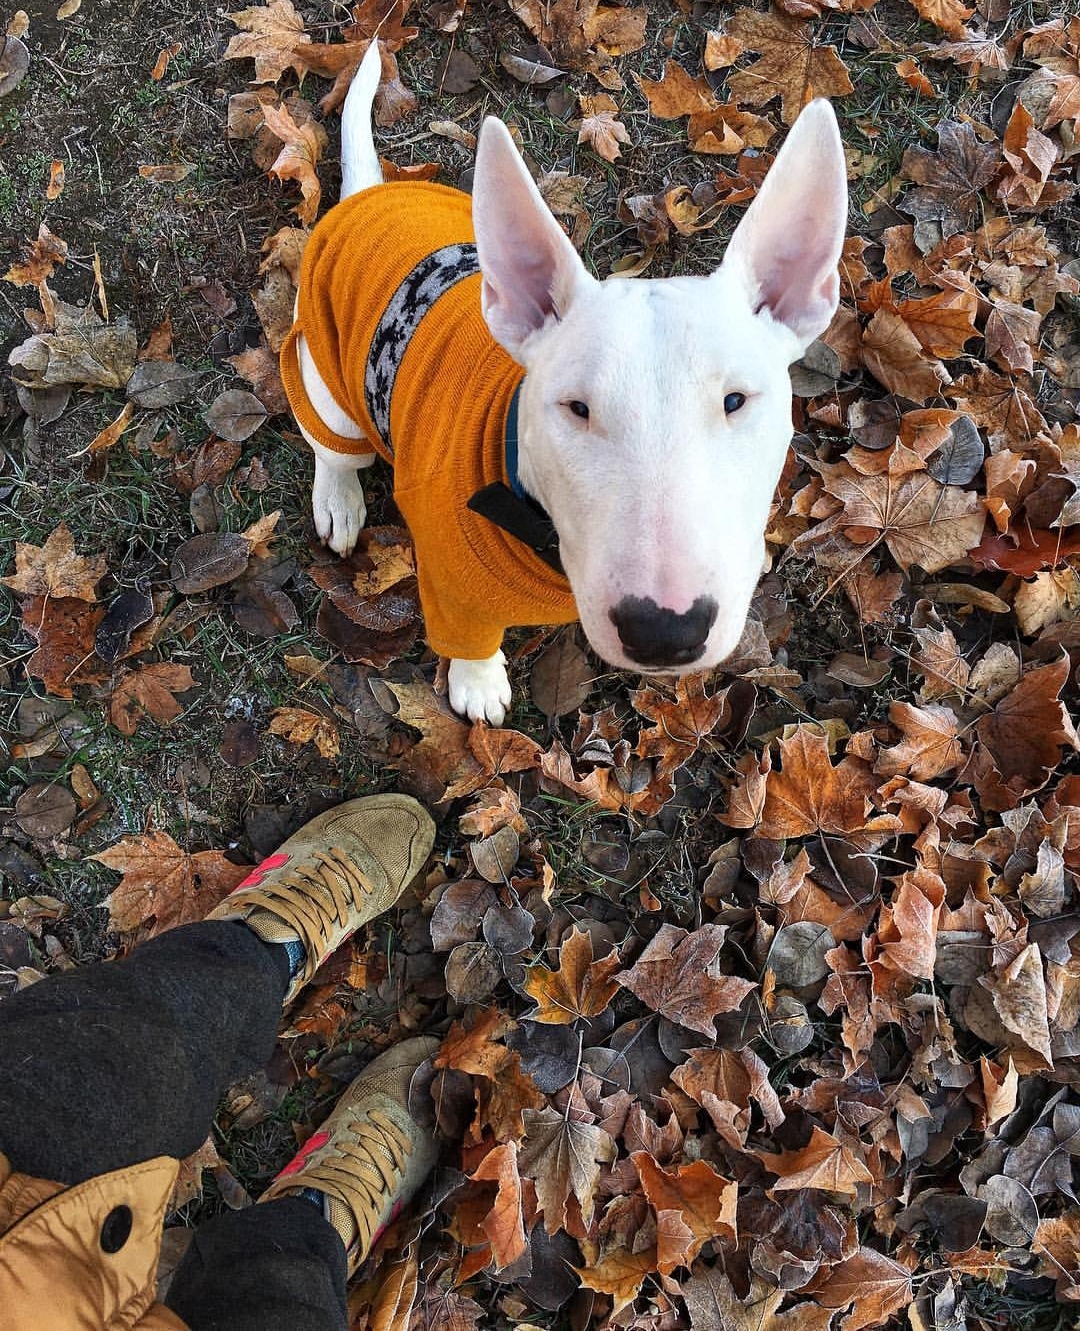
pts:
[272, 1267]
[115, 1063]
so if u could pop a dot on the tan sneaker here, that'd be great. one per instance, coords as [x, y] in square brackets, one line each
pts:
[369, 1157]
[340, 870]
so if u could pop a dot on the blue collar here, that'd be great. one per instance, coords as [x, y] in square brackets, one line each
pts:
[512, 476]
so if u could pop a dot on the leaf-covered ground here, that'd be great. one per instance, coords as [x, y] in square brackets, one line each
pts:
[759, 993]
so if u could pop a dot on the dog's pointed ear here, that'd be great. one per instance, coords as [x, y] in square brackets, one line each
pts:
[787, 246]
[531, 271]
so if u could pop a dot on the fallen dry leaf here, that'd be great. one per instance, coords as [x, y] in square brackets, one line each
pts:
[164, 886]
[581, 987]
[678, 975]
[562, 1156]
[300, 726]
[149, 691]
[599, 127]
[270, 37]
[302, 146]
[54, 569]
[792, 65]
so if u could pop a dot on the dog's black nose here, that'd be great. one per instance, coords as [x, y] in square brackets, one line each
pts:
[656, 637]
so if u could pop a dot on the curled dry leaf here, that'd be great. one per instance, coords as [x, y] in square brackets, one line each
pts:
[302, 147]
[503, 1224]
[300, 726]
[43, 255]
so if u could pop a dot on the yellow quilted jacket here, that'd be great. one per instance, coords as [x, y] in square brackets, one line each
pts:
[84, 1258]
[390, 310]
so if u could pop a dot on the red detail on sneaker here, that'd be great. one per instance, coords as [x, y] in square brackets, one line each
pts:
[313, 1143]
[395, 1211]
[260, 871]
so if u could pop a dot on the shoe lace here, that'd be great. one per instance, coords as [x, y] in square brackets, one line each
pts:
[311, 897]
[363, 1170]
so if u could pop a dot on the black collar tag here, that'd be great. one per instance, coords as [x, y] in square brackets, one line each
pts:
[522, 518]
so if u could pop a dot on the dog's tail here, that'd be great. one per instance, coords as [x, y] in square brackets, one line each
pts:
[360, 167]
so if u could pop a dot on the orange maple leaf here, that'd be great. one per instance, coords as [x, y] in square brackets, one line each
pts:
[809, 795]
[824, 1162]
[581, 987]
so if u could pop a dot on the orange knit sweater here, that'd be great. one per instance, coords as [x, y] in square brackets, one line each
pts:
[444, 426]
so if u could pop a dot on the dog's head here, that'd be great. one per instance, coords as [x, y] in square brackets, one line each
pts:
[655, 415]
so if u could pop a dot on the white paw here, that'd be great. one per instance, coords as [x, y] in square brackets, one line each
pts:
[337, 505]
[480, 690]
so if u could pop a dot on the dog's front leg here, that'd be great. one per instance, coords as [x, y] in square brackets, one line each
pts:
[480, 690]
[337, 497]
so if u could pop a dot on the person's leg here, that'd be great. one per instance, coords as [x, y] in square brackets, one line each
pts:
[274, 1267]
[283, 1264]
[119, 1062]
[123, 1061]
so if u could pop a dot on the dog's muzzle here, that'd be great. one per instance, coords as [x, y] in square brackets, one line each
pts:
[656, 637]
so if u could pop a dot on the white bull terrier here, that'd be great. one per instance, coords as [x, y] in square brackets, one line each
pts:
[563, 447]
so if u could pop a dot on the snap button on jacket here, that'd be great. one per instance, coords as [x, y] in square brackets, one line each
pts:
[84, 1258]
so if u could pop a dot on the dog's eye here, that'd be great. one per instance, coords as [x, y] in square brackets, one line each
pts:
[580, 409]
[733, 402]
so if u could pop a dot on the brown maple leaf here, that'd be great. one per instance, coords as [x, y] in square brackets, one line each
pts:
[945, 322]
[950, 181]
[792, 66]
[810, 795]
[920, 521]
[270, 37]
[507, 1090]
[563, 1155]
[1012, 333]
[599, 127]
[54, 569]
[149, 691]
[620, 1274]
[705, 1202]
[1001, 405]
[677, 93]
[929, 747]
[825, 1162]
[907, 931]
[874, 1283]
[1022, 739]
[581, 987]
[678, 975]
[895, 357]
[680, 724]
[723, 1082]
[163, 885]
